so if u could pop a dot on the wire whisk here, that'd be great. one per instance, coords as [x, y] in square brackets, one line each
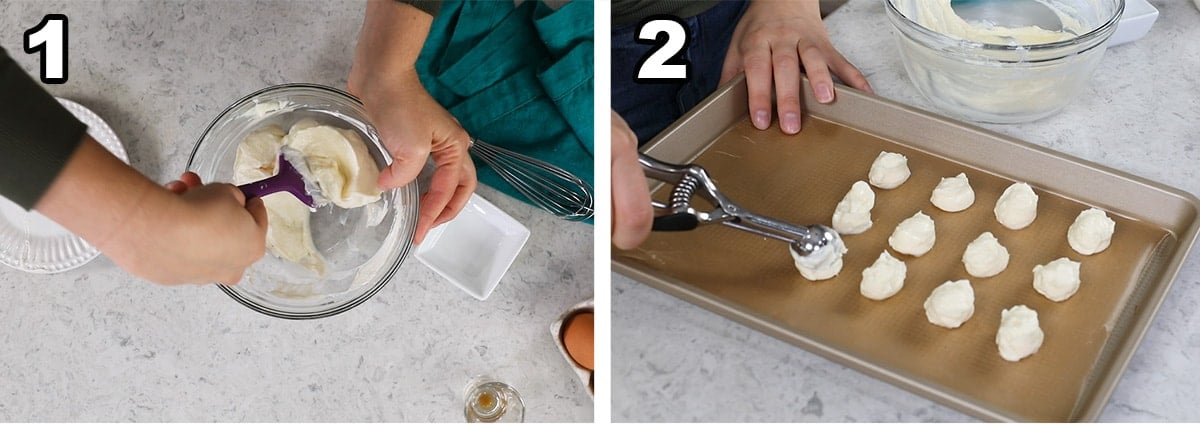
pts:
[546, 185]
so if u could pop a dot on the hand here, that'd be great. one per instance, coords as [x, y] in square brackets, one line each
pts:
[186, 181]
[208, 233]
[411, 124]
[771, 41]
[414, 127]
[632, 214]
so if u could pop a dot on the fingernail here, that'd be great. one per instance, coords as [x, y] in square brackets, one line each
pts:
[869, 89]
[762, 120]
[791, 123]
[824, 93]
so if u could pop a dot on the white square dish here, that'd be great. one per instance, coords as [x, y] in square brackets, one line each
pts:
[1135, 22]
[476, 248]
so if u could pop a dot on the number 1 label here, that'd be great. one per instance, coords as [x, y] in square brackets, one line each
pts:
[50, 39]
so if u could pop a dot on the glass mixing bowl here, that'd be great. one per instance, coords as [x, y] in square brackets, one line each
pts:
[363, 247]
[1004, 83]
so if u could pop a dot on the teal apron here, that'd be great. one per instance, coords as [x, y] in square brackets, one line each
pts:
[519, 77]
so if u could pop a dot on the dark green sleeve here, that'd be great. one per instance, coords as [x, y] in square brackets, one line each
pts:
[627, 12]
[429, 6]
[37, 135]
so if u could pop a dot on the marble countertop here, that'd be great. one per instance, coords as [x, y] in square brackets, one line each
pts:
[95, 344]
[673, 361]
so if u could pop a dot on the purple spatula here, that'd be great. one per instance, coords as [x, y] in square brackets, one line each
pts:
[291, 178]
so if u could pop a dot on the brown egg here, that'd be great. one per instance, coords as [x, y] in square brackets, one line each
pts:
[578, 336]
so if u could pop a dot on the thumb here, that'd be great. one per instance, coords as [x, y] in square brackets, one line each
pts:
[229, 189]
[258, 211]
[407, 162]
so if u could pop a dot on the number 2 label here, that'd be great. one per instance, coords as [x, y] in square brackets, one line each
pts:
[665, 63]
[50, 39]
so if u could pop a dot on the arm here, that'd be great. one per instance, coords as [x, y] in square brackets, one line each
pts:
[207, 234]
[413, 126]
[388, 44]
[50, 164]
[772, 41]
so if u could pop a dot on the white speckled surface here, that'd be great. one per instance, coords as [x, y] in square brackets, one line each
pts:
[95, 344]
[676, 362]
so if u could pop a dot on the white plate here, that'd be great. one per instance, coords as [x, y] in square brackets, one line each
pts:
[33, 243]
[475, 249]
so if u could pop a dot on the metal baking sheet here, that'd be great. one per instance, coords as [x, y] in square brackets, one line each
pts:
[1089, 337]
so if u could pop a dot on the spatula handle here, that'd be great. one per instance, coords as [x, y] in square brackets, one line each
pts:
[262, 188]
[288, 179]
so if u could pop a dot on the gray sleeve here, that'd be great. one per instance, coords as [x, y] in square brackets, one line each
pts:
[37, 135]
[428, 6]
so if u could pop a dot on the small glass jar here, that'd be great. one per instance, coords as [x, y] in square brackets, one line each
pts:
[488, 400]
